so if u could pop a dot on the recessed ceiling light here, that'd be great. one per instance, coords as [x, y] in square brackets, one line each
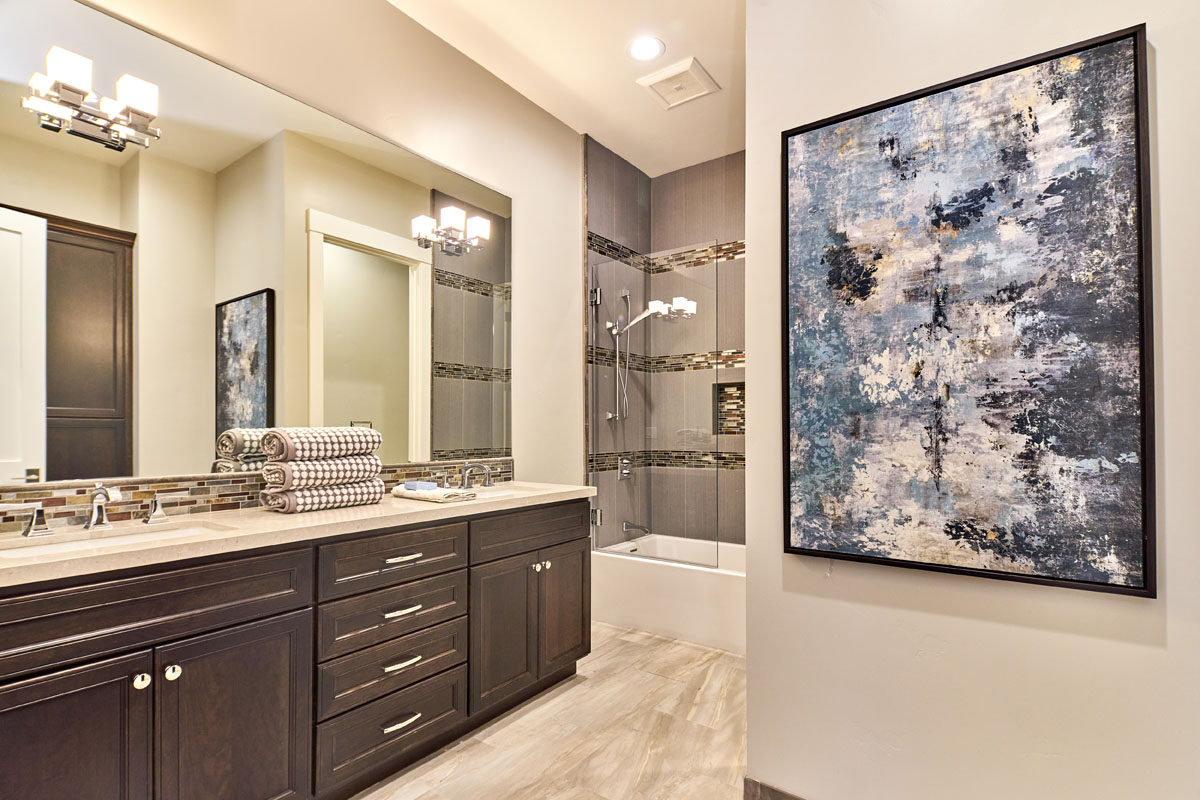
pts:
[646, 48]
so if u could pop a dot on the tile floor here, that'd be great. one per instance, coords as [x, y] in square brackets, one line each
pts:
[646, 718]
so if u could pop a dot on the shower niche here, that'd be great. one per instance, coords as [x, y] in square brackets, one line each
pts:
[666, 358]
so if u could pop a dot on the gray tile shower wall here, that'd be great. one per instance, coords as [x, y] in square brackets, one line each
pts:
[472, 300]
[618, 198]
[699, 203]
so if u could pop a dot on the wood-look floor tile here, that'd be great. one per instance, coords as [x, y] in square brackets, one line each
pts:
[645, 718]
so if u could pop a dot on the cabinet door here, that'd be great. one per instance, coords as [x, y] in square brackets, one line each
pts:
[504, 619]
[565, 610]
[234, 712]
[83, 733]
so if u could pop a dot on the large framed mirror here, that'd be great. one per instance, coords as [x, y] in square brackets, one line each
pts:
[133, 276]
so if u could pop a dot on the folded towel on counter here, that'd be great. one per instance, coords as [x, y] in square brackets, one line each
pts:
[308, 444]
[316, 498]
[433, 495]
[325, 472]
[241, 444]
[234, 465]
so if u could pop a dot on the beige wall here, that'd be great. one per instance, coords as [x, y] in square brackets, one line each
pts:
[174, 357]
[55, 181]
[366, 365]
[367, 63]
[871, 682]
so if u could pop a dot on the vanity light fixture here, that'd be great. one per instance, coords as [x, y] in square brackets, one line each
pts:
[454, 234]
[63, 100]
[646, 48]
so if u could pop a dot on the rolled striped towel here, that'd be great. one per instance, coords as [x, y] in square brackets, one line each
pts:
[241, 444]
[316, 498]
[326, 472]
[234, 465]
[310, 444]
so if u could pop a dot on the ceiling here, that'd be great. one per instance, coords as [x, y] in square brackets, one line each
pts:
[570, 57]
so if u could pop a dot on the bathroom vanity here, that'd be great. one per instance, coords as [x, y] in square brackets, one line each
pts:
[273, 656]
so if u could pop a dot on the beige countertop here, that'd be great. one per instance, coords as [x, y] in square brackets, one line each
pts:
[70, 552]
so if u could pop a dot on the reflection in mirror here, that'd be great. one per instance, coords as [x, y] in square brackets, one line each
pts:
[123, 257]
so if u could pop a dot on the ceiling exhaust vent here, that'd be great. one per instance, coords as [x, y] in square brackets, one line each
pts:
[679, 83]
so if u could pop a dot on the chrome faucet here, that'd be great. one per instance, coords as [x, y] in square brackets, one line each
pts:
[36, 524]
[98, 519]
[469, 468]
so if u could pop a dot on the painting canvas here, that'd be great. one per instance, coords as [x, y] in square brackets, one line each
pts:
[967, 326]
[245, 361]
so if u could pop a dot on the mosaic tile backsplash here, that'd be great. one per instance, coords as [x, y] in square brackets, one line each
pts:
[68, 502]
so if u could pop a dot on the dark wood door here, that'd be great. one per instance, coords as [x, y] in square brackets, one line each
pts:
[565, 609]
[235, 719]
[504, 623]
[83, 733]
[89, 351]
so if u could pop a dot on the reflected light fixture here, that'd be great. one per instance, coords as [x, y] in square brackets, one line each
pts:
[63, 100]
[646, 48]
[454, 233]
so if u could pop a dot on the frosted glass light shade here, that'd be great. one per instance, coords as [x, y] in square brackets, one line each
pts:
[691, 307]
[422, 227]
[69, 69]
[43, 106]
[138, 94]
[454, 217]
[479, 228]
[40, 83]
[111, 108]
[658, 307]
[679, 303]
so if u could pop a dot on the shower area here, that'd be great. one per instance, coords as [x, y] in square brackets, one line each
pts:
[666, 390]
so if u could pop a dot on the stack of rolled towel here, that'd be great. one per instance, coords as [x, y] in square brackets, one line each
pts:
[310, 469]
[240, 450]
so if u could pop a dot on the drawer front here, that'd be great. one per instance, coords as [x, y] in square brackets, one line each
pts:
[384, 730]
[344, 626]
[388, 559]
[64, 625]
[522, 531]
[350, 681]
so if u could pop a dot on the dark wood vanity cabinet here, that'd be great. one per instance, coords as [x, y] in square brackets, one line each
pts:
[198, 682]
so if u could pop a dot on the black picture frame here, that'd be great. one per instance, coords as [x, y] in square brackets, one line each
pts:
[266, 379]
[1148, 588]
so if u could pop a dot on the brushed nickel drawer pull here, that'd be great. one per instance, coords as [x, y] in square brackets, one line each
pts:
[141, 680]
[399, 725]
[403, 612]
[403, 559]
[173, 672]
[403, 664]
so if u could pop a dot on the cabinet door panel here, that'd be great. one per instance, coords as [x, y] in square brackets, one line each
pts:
[565, 611]
[83, 733]
[236, 723]
[504, 619]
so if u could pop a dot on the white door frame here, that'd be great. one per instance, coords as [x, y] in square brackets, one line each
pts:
[23, 328]
[322, 228]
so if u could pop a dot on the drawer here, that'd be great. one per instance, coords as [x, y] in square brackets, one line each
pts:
[350, 681]
[54, 627]
[521, 531]
[381, 732]
[388, 559]
[344, 626]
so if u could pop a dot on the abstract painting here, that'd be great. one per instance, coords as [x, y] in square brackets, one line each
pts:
[246, 362]
[967, 369]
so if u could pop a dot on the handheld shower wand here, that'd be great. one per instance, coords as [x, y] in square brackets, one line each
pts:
[678, 308]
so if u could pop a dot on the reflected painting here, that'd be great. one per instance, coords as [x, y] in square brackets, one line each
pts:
[245, 361]
[967, 367]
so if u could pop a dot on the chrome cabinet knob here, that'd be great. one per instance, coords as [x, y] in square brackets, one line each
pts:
[547, 565]
[141, 680]
[173, 672]
[537, 567]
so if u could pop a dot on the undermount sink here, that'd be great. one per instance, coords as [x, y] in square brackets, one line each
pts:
[502, 490]
[70, 539]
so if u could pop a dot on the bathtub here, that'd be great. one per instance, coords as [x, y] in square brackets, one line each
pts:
[649, 584]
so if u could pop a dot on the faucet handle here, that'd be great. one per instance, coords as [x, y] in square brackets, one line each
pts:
[157, 513]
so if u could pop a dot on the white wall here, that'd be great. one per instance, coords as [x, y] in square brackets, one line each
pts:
[870, 682]
[366, 345]
[365, 62]
[174, 350]
[55, 181]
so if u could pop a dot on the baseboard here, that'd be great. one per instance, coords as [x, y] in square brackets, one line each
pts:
[760, 791]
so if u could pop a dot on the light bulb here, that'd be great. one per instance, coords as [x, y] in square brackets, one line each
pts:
[138, 94]
[422, 227]
[479, 228]
[69, 69]
[454, 218]
[646, 48]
